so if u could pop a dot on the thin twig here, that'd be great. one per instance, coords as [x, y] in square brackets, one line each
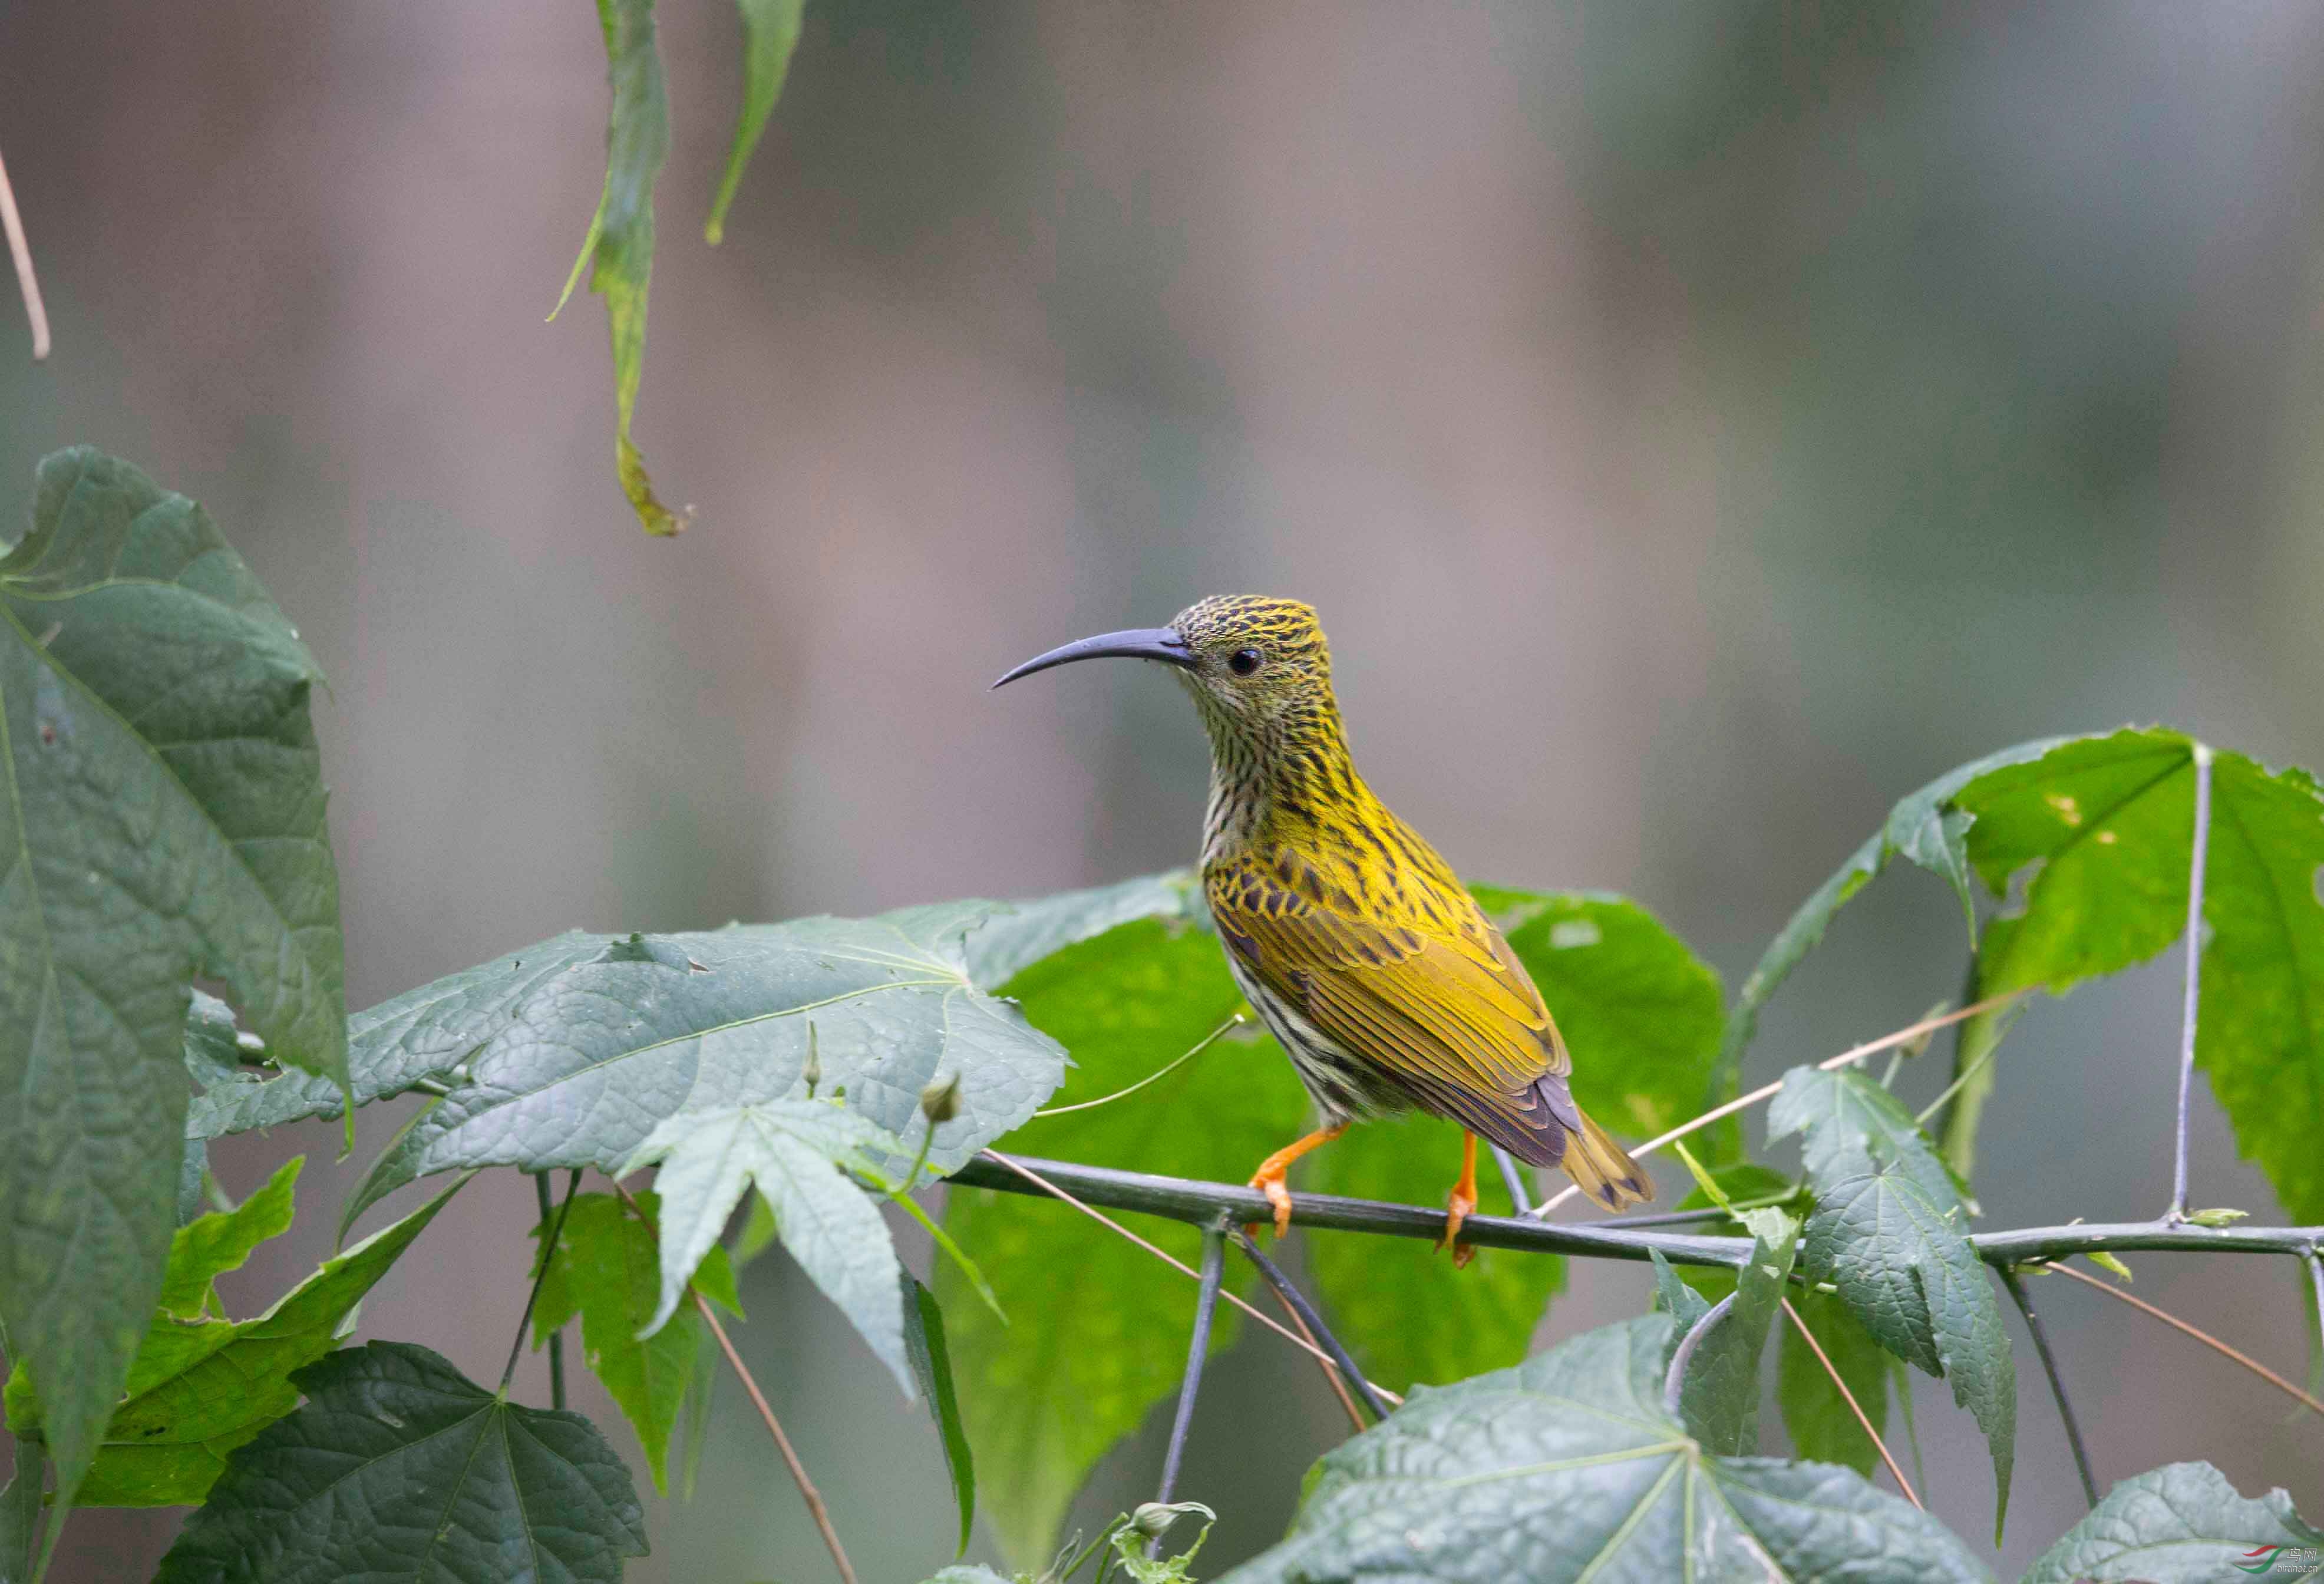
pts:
[1312, 1322]
[1862, 1418]
[2194, 974]
[557, 1337]
[1198, 1353]
[814, 1497]
[1331, 1373]
[540, 1279]
[1202, 1045]
[2025, 1301]
[1513, 1178]
[22, 252]
[1871, 1047]
[1046, 1186]
[2204, 1337]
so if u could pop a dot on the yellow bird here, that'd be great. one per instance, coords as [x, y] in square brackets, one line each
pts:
[1352, 940]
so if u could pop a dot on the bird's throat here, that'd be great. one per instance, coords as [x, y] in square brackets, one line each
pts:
[1273, 785]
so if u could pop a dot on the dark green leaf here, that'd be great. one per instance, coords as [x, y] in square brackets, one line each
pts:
[166, 811]
[1853, 1126]
[1638, 1010]
[1718, 1391]
[620, 244]
[20, 1512]
[397, 1467]
[2181, 1524]
[607, 1270]
[792, 1152]
[1568, 1468]
[1904, 1266]
[1399, 1303]
[1071, 1373]
[770, 31]
[570, 1053]
[924, 1344]
[200, 1388]
[701, 1391]
[1923, 828]
[207, 1248]
[1675, 1298]
[1815, 1415]
[214, 1047]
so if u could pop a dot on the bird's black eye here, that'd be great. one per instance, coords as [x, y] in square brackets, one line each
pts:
[1243, 661]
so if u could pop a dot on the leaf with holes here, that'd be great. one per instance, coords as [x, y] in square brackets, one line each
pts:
[165, 804]
[398, 1467]
[2180, 1524]
[1569, 1468]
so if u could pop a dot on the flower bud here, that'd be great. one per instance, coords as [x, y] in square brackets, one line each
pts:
[940, 1101]
[2218, 1218]
[813, 1070]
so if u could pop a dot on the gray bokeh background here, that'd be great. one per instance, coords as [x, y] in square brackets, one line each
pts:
[1699, 424]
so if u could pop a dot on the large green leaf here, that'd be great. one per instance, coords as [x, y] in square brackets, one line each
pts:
[1853, 1126]
[770, 31]
[1925, 828]
[793, 1152]
[570, 1053]
[165, 808]
[607, 1269]
[1815, 1415]
[1569, 1468]
[2182, 1524]
[1400, 1305]
[1045, 1395]
[201, 1387]
[208, 1246]
[619, 250]
[399, 1467]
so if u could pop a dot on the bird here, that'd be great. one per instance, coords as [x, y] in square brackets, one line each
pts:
[1367, 958]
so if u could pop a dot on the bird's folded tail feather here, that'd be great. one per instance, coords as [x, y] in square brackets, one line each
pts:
[1603, 1169]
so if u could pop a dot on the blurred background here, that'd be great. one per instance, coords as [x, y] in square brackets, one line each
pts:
[1699, 424]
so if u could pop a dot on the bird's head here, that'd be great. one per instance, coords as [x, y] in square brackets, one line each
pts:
[1257, 667]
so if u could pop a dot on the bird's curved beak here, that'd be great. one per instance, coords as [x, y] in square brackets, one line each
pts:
[1137, 643]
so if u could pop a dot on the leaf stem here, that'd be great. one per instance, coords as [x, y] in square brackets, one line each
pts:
[2024, 1302]
[1871, 1047]
[1862, 1418]
[2194, 974]
[1313, 1322]
[2204, 1337]
[1202, 1045]
[540, 1280]
[1198, 1353]
[22, 252]
[557, 1337]
[1041, 1184]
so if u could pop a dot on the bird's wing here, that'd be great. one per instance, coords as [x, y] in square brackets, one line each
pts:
[1424, 986]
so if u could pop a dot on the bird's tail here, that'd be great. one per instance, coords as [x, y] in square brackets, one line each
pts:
[1603, 1169]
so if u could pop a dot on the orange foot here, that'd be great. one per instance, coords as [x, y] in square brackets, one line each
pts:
[1269, 1178]
[1462, 1204]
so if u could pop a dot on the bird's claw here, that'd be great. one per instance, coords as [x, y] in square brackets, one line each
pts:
[1279, 1197]
[1458, 1209]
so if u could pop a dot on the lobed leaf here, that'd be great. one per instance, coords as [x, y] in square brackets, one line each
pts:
[1852, 1127]
[1568, 1468]
[1718, 1389]
[165, 809]
[201, 1387]
[208, 1246]
[2181, 1524]
[398, 1467]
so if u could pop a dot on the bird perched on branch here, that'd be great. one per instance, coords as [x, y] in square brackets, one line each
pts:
[1352, 939]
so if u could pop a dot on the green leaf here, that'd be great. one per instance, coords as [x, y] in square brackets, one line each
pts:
[1675, 1298]
[607, 1270]
[977, 1574]
[620, 244]
[200, 1388]
[792, 1151]
[1719, 1390]
[770, 31]
[1018, 935]
[166, 820]
[397, 1467]
[1904, 1266]
[1853, 1126]
[1569, 1468]
[1638, 1010]
[1923, 828]
[1047, 1395]
[570, 1053]
[1815, 1415]
[1399, 1304]
[209, 1246]
[20, 1512]
[2181, 1524]
[215, 1050]
[924, 1344]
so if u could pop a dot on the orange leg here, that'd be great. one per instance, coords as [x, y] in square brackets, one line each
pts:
[1269, 1178]
[1462, 1202]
